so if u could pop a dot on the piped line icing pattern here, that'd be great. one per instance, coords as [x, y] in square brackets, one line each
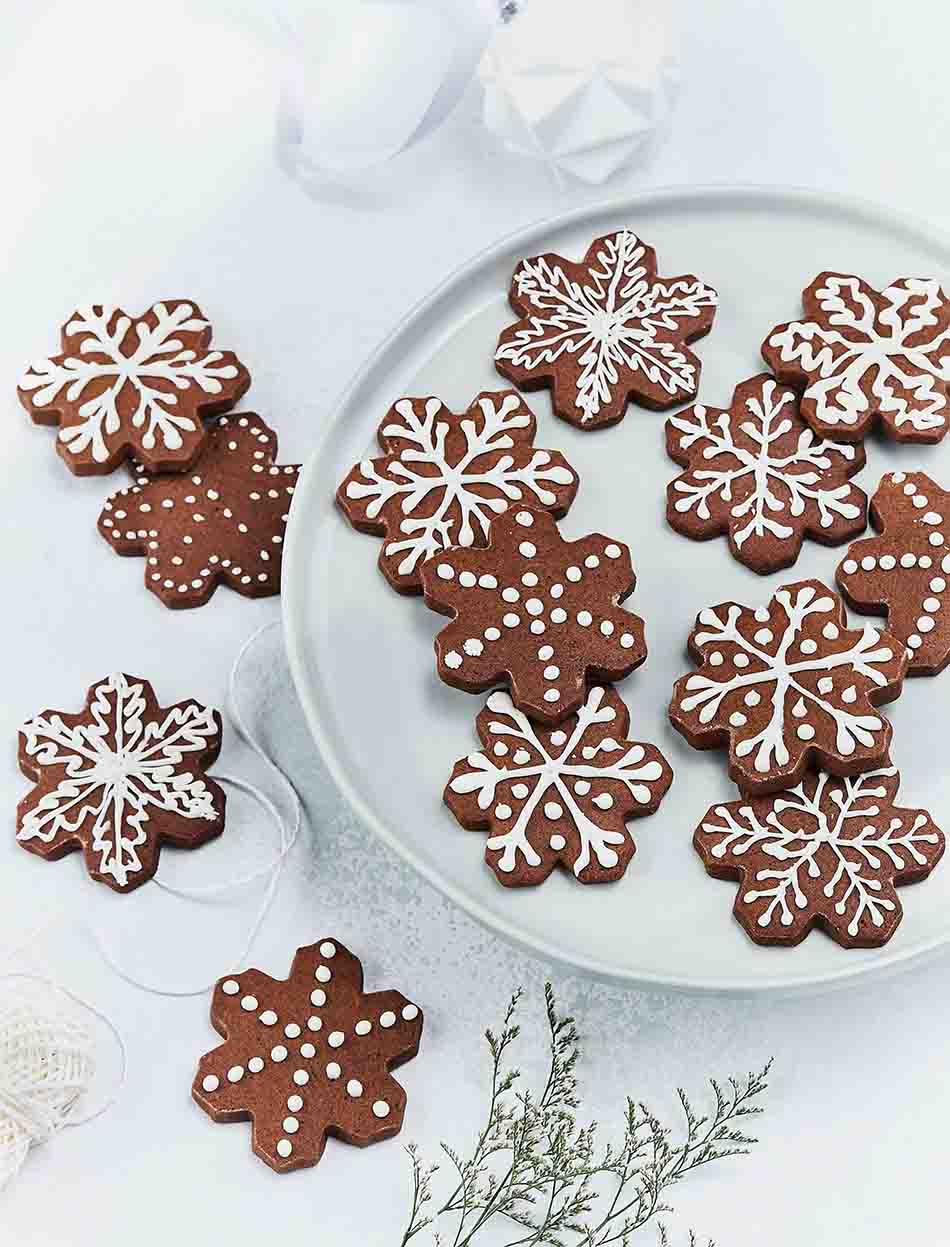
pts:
[904, 572]
[788, 685]
[605, 330]
[861, 356]
[829, 853]
[561, 795]
[308, 1056]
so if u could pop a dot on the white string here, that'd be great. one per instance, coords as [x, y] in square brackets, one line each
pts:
[273, 868]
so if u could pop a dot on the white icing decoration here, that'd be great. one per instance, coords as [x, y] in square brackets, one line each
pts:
[410, 1012]
[333, 1070]
[616, 322]
[295, 1103]
[278, 1053]
[354, 1088]
[284, 1147]
[117, 770]
[335, 1039]
[387, 1019]
[363, 1027]
[230, 987]
[210, 1083]
[380, 1108]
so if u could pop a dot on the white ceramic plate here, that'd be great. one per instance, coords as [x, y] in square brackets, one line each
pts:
[362, 656]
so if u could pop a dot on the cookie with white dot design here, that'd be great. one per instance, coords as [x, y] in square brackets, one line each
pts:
[557, 796]
[904, 573]
[308, 1056]
[222, 522]
[536, 613]
[788, 686]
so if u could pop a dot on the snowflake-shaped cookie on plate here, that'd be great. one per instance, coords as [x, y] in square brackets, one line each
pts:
[118, 779]
[605, 331]
[445, 477]
[787, 686]
[860, 356]
[308, 1056]
[903, 574]
[224, 522]
[758, 473]
[557, 796]
[536, 612]
[133, 386]
[829, 853]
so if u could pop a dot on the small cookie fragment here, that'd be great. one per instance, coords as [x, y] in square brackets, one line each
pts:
[788, 686]
[605, 331]
[904, 573]
[118, 779]
[308, 1056]
[829, 853]
[126, 386]
[557, 796]
[223, 522]
[536, 612]
[757, 472]
[862, 357]
[446, 476]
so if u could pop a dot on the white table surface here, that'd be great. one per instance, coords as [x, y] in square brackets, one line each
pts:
[138, 164]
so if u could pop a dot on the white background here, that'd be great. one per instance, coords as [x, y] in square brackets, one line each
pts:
[138, 164]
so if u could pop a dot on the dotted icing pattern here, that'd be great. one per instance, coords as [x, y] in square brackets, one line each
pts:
[127, 385]
[308, 1056]
[904, 572]
[757, 472]
[536, 611]
[559, 795]
[118, 778]
[829, 853]
[787, 685]
[604, 331]
[862, 356]
[224, 522]
[445, 477]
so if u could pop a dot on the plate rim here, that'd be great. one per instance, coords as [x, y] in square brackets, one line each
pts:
[296, 549]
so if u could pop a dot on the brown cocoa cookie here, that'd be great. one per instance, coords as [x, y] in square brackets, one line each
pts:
[223, 522]
[757, 472]
[788, 686]
[139, 386]
[557, 796]
[536, 612]
[605, 331]
[903, 574]
[862, 357]
[118, 779]
[829, 853]
[308, 1056]
[445, 477]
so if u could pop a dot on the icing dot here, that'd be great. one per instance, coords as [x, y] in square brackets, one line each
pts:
[936, 539]
[552, 673]
[387, 1019]
[473, 646]
[582, 787]
[307, 1050]
[805, 731]
[291, 1125]
[612, 551]
[510, 621]
[527, 549]
[295, 1103]
[938, 584]
[888, 562]
[363, 1027]
[301, 1077]
[268, 1017]
[410, 1012]
[557, 843]
[467, 580]
[592, 561]
[552, 810]
[752, 698]
[500, 749]
[335, 1039]
[536, 626]
[235, 1073]
[502, 811]
[931, 604]
[925, 624]
[322, 974]
[511, 595]
[558, 738]
[808, 646]
[354, 1088]
[488, 582]
[741, 660]
[327, 949]
[211, 1083]
[546, 652]
[738, 719]
[314, 1024]
[607, 628]
[556, 591]
[850, 566]
[492, 634]
[230, 987]
[529, 580]
[333, 1070]
[626, 641]
[278, 1053]
[552, 694]
[524, 518]
[761, 615]
[558, 615]
[914, 641]
[380, 1108]
[830, 632]
[908, 560]
[520, 791]
[763, 636]
[291, 1030]
[318, 996]
[284, 1147]
[453, 660]
[534, 606]
[255, 1064]
[585, 618]
[574, 574]
[868, 563]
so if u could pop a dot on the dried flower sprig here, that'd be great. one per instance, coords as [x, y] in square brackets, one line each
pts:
[534, 1169]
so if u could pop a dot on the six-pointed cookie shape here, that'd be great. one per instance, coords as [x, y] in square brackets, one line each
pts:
[757, 472]
[862, 356]
[535, 612]
[830, 852]
[446, 476]
[118, 779]
[308, 1056]
[222, 523]
[557, 796]
[903, 574]
[125, 386]
[787, 686]
[605, 331]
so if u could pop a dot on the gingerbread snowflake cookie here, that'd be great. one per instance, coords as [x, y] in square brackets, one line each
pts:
[308, 1056]
[757, 472]
[604, 331]
[118, 779]
[862, 356]
[829, 853]
[536, 612]
[445, 477]
[787, 686]
[557, 796]
[224, 522]
[903, 573]
[139, 386]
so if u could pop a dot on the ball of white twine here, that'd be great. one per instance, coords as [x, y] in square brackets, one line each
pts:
[47, 1064]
